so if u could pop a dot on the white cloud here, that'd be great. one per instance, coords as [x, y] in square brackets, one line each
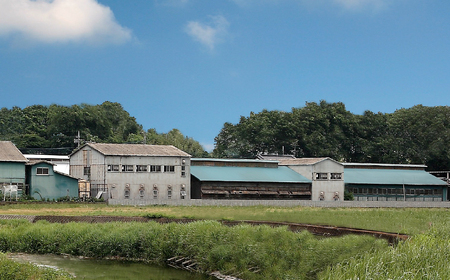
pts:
[60, 21]
[209, 34]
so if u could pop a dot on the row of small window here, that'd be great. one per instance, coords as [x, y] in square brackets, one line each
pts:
[142, 168]
[396, 191]
[155, 192]
[324, 176]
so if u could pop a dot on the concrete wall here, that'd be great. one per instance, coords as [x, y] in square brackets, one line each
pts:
[288, 203]
[323, 188]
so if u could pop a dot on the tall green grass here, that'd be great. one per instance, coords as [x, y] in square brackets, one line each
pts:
[397, 220]
[275, 253]
[12, 270]
[424, 256]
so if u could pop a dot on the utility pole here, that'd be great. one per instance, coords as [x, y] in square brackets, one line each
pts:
[77, 139]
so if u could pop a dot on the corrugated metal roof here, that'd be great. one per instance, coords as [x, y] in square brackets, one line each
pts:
[10, 153]
[390, 177]
[383, 165]
[303, 161]
[232, 160]
[281, 174]
[137, 150]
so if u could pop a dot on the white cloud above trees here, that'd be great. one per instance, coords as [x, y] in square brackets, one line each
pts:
[208, 34]
[60, 21]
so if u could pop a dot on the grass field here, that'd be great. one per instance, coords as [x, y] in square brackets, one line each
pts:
[396, 220]
[424, 256]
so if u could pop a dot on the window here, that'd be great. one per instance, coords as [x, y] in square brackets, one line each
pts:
[141, 168]
[113, 168]
[155, 168]
[87, 170]
[183, 174]
[183, 168]
[336, 176]
[321, 176]
[169, 168]
[42, 171]
[127, 168]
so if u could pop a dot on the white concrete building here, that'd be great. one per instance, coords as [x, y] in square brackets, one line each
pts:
[133, 173]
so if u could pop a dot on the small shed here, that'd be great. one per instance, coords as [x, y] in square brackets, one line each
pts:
[46, 183]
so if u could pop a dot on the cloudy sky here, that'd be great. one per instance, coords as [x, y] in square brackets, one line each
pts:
[196, 64]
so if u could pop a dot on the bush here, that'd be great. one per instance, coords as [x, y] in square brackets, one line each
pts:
[348, 195]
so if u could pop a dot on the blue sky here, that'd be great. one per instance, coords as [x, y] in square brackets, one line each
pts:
[194, 65]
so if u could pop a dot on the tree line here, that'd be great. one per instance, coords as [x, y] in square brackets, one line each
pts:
[53, 129]
[417, 135]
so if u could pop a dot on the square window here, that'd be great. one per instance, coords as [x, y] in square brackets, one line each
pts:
[113, 168]
[336, 176]
[87, 170]
[127, 168]
[141, 168]
[42, 170]
[155, 168]
[169, 168]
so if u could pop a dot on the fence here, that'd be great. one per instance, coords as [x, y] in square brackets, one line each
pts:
[285, 203]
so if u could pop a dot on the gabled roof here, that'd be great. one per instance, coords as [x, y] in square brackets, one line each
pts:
[281, 174]
[10, 153]
[135, 150]
[390, 177]
[304, 161]
[34, 162]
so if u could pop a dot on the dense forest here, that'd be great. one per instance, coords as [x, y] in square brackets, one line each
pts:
[418, 135]
[53, 129]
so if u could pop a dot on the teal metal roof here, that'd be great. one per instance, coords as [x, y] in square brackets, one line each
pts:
[282, 174]
[390, 177]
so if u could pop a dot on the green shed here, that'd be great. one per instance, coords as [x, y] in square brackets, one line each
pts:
[46, 183]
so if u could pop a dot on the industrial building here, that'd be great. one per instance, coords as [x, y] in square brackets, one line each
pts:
[393, 182]
[135, 173]
[246, 179]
